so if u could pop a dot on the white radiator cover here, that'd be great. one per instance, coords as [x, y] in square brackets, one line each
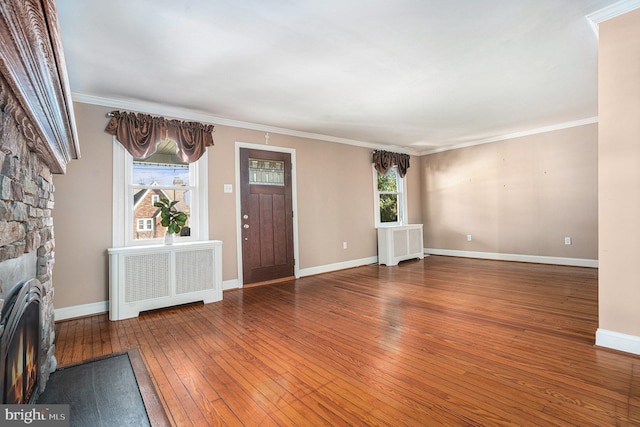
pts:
[399, 243]
[149, 277]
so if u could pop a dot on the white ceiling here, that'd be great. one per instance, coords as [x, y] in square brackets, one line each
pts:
[419, 75]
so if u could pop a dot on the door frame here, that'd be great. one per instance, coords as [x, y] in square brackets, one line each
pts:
[294, 201]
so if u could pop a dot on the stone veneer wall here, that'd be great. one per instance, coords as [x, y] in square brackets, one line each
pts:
[26, 223]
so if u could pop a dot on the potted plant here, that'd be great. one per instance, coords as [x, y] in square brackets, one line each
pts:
[172, 218]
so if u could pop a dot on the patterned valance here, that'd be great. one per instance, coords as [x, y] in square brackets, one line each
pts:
[140, 133]
[384, 160]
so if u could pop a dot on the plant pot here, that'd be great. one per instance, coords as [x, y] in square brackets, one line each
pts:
[168, 238]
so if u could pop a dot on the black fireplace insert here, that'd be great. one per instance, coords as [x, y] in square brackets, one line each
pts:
[20, 326]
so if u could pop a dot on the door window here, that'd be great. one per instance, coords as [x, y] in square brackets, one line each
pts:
[266, 172]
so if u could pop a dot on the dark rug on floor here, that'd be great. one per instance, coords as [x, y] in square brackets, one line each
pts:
[111, 391]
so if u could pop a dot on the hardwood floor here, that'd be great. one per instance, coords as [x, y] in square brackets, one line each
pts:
[443, 341]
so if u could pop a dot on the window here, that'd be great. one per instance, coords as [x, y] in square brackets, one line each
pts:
[139, 183]
[160, 176]
[266, 172]
[145, 224]
[390, 204]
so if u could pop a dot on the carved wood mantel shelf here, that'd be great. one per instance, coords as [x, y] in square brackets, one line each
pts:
[34, 87]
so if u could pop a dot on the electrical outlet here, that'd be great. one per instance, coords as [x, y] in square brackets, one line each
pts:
[228, 188]
[344, 245]
[469, 237]
[567, 240]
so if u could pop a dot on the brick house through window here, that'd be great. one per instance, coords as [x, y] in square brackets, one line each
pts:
[147, 223]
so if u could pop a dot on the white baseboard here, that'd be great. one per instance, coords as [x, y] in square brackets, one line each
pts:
[235, 283]
[575, 262]
[82, 310]
[618, 341]
[230, 284]
[337, 266]
[91, 309]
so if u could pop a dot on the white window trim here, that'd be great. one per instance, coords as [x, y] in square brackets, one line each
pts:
[402, 202]
[122, 232]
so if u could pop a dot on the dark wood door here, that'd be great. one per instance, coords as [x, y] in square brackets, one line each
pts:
[266, 215]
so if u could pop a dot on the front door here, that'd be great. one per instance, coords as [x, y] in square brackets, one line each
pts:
[266, 215]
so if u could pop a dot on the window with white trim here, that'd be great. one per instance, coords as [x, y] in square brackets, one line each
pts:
[139, 183]
[390, 202]
[145, 224]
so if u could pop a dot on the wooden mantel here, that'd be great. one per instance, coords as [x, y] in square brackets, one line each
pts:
[34, 87]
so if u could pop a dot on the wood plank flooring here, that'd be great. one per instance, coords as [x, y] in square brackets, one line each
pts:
[443, 341]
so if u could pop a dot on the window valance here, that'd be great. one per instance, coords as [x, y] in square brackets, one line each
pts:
[384, 160]
[140, 133]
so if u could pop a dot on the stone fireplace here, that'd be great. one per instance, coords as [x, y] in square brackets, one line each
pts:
[37, 140]
[26, 232]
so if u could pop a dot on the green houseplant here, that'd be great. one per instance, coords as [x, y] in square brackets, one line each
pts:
[172, 218]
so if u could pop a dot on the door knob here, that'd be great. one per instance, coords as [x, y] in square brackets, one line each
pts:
[246, 226]
[245, 216]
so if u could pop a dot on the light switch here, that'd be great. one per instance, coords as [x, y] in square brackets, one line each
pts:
[228, 188]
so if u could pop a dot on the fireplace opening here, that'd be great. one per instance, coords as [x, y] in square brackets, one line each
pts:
[20, 325]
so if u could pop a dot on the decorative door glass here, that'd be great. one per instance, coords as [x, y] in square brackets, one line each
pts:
[266, 172]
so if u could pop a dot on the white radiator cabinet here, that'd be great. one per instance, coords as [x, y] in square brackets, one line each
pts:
[399, 243]
[149, 277]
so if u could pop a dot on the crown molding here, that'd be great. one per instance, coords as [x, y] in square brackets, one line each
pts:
[611, 11]
[559, 126]
[186, 114]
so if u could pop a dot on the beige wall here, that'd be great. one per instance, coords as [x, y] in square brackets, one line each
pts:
[520, 196]
[619, 174]
[335, 204]
[503, 194]
[83, 216]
